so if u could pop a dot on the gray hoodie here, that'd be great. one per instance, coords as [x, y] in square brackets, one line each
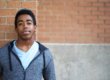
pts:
[12, 69]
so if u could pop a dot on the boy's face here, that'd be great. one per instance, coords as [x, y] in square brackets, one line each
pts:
[25, 27]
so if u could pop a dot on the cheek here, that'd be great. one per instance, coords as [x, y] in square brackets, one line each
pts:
[33, 29]
[18, 30]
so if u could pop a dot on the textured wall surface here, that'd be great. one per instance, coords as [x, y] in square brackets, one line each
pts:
[74, 21]
[81, 62]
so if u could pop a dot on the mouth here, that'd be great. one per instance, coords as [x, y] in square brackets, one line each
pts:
[26, 32]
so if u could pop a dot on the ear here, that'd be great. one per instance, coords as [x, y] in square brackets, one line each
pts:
[35, 27]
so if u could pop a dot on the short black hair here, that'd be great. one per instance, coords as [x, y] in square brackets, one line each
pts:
[25, 11]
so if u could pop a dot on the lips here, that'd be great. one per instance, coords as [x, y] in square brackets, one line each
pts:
[26, 32]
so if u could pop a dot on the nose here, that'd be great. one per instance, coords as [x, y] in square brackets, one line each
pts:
[25, 25]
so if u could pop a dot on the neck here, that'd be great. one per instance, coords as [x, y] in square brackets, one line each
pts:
[24, 44]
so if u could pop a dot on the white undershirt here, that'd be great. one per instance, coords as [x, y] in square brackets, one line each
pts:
[26, 57]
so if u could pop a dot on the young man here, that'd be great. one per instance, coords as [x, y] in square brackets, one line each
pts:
[24, 58]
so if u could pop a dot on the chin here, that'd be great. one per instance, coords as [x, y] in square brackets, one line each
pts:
[26, 38]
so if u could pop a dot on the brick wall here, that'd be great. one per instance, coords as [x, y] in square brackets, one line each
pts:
[8, 9]
[60, 21]
[74, 21]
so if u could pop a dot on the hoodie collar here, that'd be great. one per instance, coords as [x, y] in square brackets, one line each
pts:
[42, 48]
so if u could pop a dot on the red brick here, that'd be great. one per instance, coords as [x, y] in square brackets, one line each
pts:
[98, 13]
[7, 12]
[107, 4]
[107, 22]
[3, 42]
[98, 30]
[88, 9]
[87, 0]
[3, 4]
[2, 35]
[84, 21]
[85, 13]
[7, 28]
[103, 0]
[42, 36]
[98, 22]
[13, 4]
[107, 13]
[104, 9]
[91, 17]
[31, 5]
[105, 17]
[98, 4]
[85, 4]
[10, 20]
[10, 35]
[107, 31]
[2, 20]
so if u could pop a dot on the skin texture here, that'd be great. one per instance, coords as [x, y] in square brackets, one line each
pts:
[25, 31]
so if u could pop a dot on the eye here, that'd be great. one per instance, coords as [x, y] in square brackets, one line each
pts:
[29, 23]
[20, 23]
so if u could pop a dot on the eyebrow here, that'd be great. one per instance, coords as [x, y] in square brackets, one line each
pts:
[22, 20]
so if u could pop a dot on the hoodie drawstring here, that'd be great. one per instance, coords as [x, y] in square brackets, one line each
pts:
[9, 54]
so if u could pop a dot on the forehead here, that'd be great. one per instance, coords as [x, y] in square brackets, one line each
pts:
[24, 17]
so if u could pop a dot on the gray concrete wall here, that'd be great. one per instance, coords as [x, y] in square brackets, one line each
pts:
[81, 61]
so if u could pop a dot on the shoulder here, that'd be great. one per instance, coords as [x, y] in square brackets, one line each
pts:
[4, 47]
[4, 50]
[46, 52]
